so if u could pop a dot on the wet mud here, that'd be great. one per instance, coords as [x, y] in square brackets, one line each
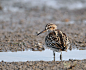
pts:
[44, 65]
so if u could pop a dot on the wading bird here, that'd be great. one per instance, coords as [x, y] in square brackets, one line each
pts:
[56, 40]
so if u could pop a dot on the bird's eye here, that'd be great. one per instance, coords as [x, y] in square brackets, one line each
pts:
[49, 26]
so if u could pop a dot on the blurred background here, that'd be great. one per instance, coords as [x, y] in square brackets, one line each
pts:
[42, 10]
[20, 20]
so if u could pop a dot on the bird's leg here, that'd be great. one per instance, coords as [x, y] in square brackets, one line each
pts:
[54, 55]
[61, 56]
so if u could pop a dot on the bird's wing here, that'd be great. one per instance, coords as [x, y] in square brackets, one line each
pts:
[56, 39]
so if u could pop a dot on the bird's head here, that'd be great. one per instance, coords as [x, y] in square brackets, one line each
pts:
[49, 27]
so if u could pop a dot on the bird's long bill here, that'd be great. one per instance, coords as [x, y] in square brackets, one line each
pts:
[41, 32]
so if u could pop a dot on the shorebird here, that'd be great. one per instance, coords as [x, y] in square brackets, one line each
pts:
[56, 40]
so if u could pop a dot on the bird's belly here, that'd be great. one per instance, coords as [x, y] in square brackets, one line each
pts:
[52, 46]
[56, 50]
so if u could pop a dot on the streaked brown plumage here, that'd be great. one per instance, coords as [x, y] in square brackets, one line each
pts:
[56, 39]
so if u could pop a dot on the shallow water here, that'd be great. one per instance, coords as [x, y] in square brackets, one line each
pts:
[46, 55]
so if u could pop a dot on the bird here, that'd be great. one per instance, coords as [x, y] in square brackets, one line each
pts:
[56, 40]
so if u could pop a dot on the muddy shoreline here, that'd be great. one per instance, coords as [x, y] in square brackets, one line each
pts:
[44, 65]
[22, 40]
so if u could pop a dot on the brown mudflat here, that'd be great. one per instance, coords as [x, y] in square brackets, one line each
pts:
[18, 29]
[44, 65]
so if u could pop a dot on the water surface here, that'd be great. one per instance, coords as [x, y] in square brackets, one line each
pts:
[46, 55]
